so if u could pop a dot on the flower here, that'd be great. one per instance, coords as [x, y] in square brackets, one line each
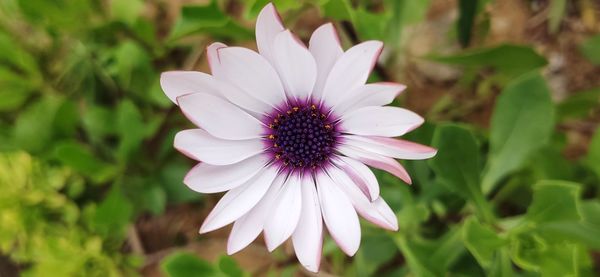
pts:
[289, 134]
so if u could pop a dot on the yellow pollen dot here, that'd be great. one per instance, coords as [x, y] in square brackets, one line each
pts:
[313, 107]
[271, 136]
[276, 120]
[295, 109]
[271, 126]
[327, 126]
[275, 145]
[277, 156]
[289, 112]
[313, 114]
[322, 115]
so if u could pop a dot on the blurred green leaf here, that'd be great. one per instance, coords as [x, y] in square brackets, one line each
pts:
[126, 10]
[171, 178]
[592, 160]
[481, 241]
[33, 129]
[207, 18]
[131, 129]
[578, 105]
[457, 164]
[83, 161]
[467, 10]
[554, 201]
[112, 215]
[154, 199]
[532, 253]
[183, 264]
[502, 58]
[590, 48]
[403, 13]
[370, 25]
[522, 123]
[230, 267]
[557, 11]
[337, 9]
[15, 90]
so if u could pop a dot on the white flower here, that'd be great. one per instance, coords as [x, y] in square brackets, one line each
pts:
[289, 133]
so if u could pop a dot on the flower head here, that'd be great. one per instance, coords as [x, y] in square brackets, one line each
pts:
[289, 133]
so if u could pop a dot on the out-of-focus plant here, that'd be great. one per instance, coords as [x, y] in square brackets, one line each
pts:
[44, 230]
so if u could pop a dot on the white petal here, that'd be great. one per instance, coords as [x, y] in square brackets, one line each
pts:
[308, 236]
[212, 54]
[363, 177]
[201, 146]
[219, 117]
[295, 65]
[285, 213]
[239, 201]
[207, 178]
[177, 83]
[377, 161]
[376, 94]
[325, 46]
[339, 215]
[396, 148]
[250, 72]
[249, 226]
[380, 121]
[268, 25]
[351, 70]
[376, 212]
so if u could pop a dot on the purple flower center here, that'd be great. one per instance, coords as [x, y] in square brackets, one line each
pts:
[302, 137]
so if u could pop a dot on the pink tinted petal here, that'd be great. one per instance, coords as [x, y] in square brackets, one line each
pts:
[380, 121]
[285, 213]
[231, 92]
[177, 83]
[325, 46]
[268, 25]
[363, 177]
[339, 215]
[375, 212]
[396, 148]
[351, 70]
[250, 72]
[201, 146]
[376, 94]
[377, 161]
[239, 200]
[295, 65]
[248, 227]
[308, 236]
[206, 178]
[219, 117]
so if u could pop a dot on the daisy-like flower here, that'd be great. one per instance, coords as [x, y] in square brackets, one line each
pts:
[289, 133]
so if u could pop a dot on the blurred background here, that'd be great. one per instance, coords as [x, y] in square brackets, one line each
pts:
[90, 184]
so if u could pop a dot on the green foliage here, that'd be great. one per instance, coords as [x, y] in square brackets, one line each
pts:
[182, 264]
[522, 122]
[87, 158]
[591, 49]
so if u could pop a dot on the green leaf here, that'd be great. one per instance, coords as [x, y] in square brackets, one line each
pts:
[467, 10]
[230, 267]
[183, 264]
[113, 214]
[370, 25]
[522, 123]
[590, 48]
[481, 241]
[337, 9]
[592, 159]
[83, 161]
[208, 19]
[33, 130]
[126, 10]
[579, 105]
[502, 58]
[154, 199]
[557, 11]
[15, 90]
[131, 129]
[554, 201]
[457, 164]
